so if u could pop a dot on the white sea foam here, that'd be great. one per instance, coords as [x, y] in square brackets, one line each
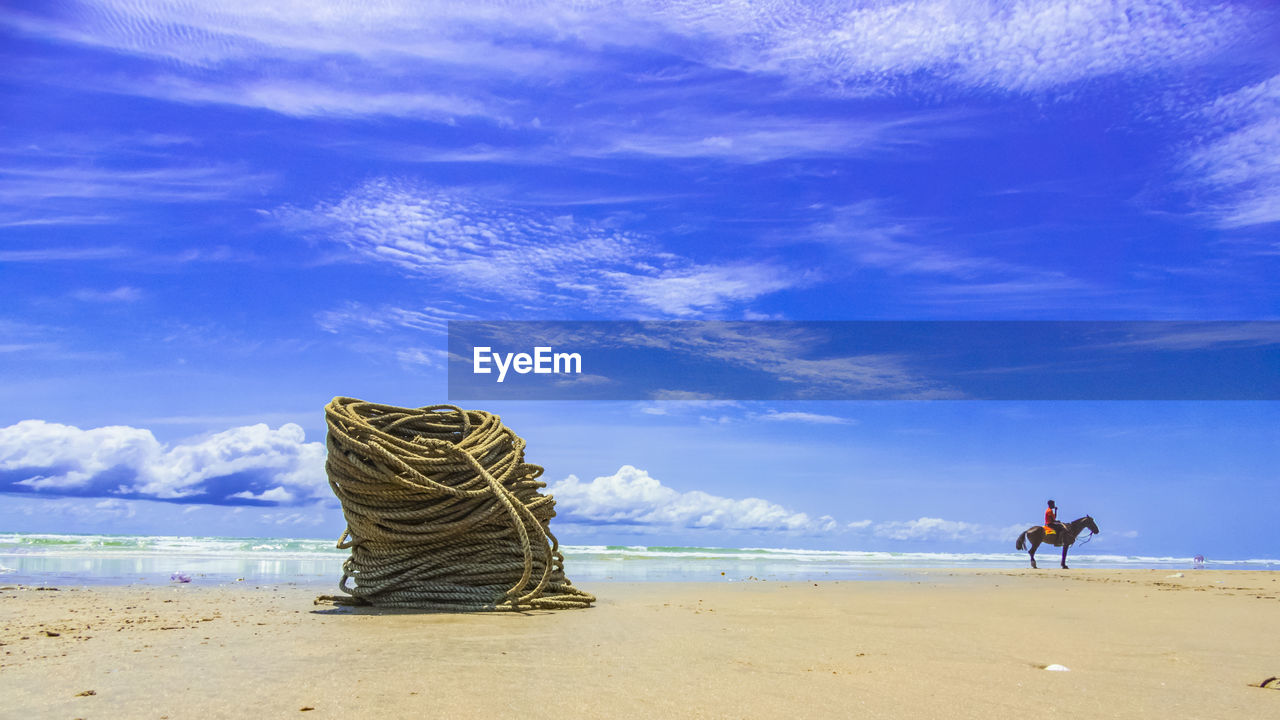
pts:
[281, 556]
[121, 546]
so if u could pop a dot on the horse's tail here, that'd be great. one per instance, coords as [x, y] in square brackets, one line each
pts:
[1022, 541]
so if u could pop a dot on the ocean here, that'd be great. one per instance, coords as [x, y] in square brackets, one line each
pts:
[63, 559]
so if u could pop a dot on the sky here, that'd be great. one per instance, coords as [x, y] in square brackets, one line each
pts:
[215, 219]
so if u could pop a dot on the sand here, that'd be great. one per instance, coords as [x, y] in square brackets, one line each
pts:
[968, 644]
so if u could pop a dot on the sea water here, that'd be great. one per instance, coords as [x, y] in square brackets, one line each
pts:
[62, 559]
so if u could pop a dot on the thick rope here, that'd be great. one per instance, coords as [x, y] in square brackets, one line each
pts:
[442, 512]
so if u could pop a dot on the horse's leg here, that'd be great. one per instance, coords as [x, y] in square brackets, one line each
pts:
[1034, 544]
[1064, 556]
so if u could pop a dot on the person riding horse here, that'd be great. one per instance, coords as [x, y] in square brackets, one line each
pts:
[1064, 534]
[1051, 518]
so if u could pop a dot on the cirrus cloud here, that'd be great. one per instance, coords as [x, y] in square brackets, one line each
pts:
[873, 46]
[1240, 165]
[488, 249]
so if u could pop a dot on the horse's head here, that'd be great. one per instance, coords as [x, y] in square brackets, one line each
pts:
[1089, 523]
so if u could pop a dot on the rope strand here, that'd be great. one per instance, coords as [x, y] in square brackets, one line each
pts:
[442, 512]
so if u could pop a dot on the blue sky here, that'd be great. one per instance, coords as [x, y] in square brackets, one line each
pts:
[214, 220]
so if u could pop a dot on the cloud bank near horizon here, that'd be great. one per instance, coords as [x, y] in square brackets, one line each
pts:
[255, 465]
[248, 465]
[633, 498]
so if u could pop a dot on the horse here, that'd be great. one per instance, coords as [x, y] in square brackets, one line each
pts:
[1036, 535]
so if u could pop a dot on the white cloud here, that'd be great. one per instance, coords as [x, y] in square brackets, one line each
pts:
[294, 518]
[872, 238]
[104, 179]
[32, 183]
[937, 529]
[82, 513]
[490, 250]
[683, 402]
[1048, 290]
[422, 357]
[1240, 165]
[72, 456]
[56, 254]
[865, 235]
[580, 379]
[21, 347]
[122, 294]
[280, 56]
[1016, 46]
[692, 133]
[1198, 336]
[691, 397]
[246, 30]
[869, 46]
[114, 508]
[276, 494]
[481, 247]
[21, 220]
[804, 417]
[752, 139]
[788, 354]
[880, 375]
[64, 459]
[447, 61]
[353, 315]
[700, 288]
[43, 342]
[632, 497]
[300, 98]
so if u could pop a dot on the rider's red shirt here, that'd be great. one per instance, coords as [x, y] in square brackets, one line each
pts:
[1050, 515]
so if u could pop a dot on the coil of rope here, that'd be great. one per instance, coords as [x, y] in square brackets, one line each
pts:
[442, 512]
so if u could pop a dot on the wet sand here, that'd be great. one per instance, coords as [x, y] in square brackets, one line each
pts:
[955, 643]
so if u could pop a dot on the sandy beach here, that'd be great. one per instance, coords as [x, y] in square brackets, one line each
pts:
[1138, 643]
